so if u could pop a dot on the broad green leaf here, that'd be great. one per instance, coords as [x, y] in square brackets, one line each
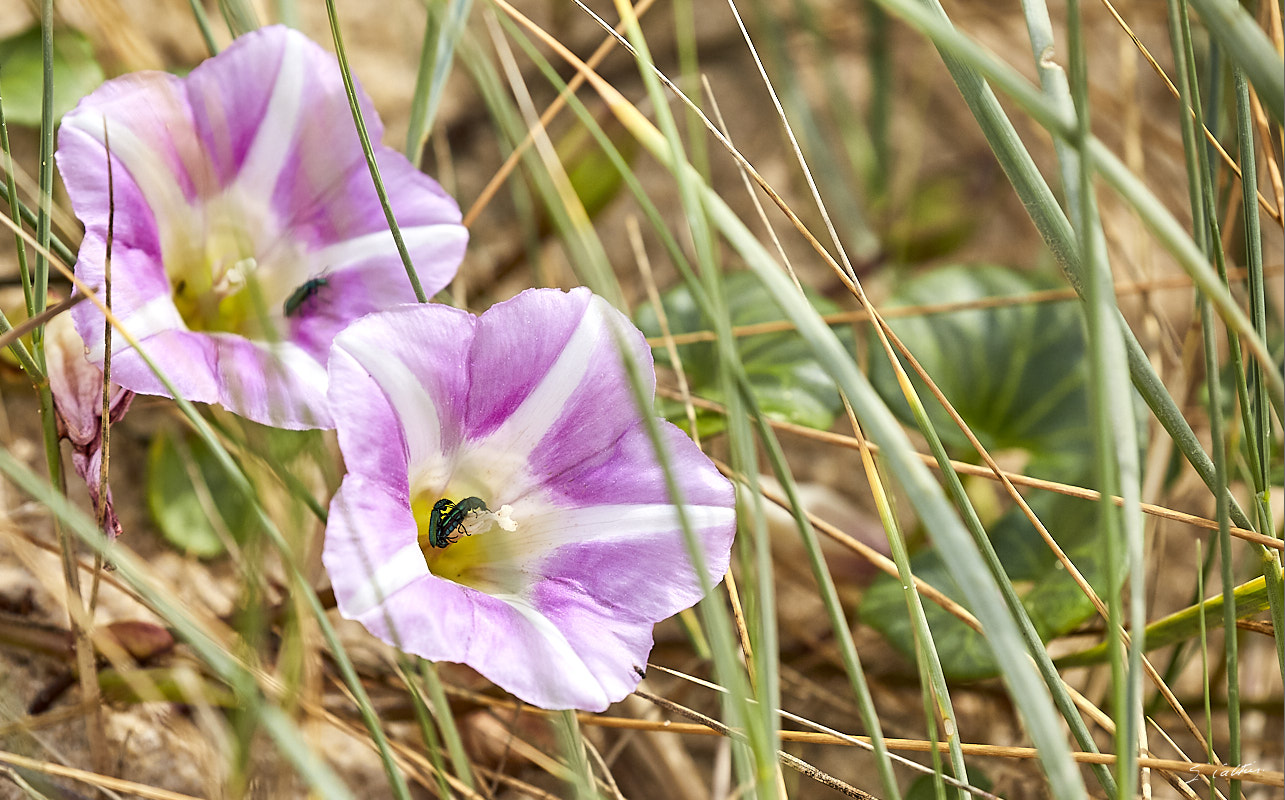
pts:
[1018, 375]
[1015, 373]
[788, 382]
[186, 488]
[76, 73]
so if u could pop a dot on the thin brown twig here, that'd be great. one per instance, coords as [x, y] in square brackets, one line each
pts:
[31, 323]
[501, 175]
[1273, 212]
[105, 421]
[888, 339]
[879, 560]
[1252, 775]
[92, 778]
[926, 309]
[797, 764]
[1265, 143]
[964, 468]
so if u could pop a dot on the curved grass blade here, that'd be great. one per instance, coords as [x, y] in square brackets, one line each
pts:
[366, 148]
[1246, 44]
[436, 56]
[1251, 598]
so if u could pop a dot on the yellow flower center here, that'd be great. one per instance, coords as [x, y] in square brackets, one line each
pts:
[215, 258]
[450, 534]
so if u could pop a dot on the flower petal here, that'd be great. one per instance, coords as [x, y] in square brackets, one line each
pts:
[367, 570]
[530, 404]
[77, 388]
[409, 358]
[623, 517]
[278, 384]
[365, 274]
[251, 159]
[383, 582]
[546, 414]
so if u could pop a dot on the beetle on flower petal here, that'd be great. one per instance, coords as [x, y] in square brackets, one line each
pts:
[504, 505]
[248, 231]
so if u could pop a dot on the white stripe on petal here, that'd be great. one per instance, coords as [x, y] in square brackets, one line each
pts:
[300, 365]
[518, 435]
[154, 316]
[395, 574]
[381, 244]
[543, 532]
[571, 670]
[163, 193]
[412, 403]
[276, 133]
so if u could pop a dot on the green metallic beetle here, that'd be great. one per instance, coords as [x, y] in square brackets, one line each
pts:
[301, 295]
[446, 523]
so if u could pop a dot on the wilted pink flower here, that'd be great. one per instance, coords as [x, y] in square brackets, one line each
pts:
[563, 548]
[77, 388]
[247, 228]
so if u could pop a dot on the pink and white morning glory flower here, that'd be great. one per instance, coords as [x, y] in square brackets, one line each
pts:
[247, 229]
[564, 548]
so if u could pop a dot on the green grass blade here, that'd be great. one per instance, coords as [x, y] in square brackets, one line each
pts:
[1116, 446]
[56, 245]
[1251, 598]
[1039, 28]
[18, 348]
[366, 148]
[1205, 233]
[40, 278]
[436, 56]
[572, 744]
[836, 183]
[203, 23]
[239, 16]
[446, 722]
[11, 191]
[1259, 428]
[424, 719]
[928, 661]
[1057, 233]
[560, 197]
[761, 722]
[287, 12]
[935, 512]
[131, 570]
[834, 610]
[690, 75]
[1247, 44]
[879, 114]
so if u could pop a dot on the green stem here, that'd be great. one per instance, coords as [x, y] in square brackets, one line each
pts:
[355, 105]
[11, 188]
[572, 745]
[203, 23]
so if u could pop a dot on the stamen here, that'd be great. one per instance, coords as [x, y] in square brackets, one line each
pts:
[482, 521]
